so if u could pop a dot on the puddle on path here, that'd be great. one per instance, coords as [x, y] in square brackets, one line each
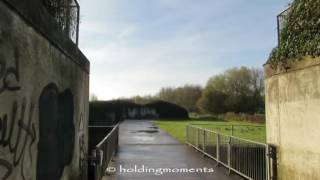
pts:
[153, 127]
[145, 131]
[141, 139]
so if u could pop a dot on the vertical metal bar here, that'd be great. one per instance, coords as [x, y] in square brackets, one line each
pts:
[278, 27]
[256, 167]
[204, 141]
[267, 157]
[117, 140]
[218, 147]
[251, 168]
[245, 160]
[249, 158]
[187, 133]
[229, 154]
[247, 164]
[78, 22]
[197, 137]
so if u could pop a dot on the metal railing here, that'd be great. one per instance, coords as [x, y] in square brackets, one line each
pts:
[247, 158]
[238, 130]
[67, 15]
[282, 19]
[104, 151]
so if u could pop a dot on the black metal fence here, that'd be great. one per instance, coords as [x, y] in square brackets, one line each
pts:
[103, 152]
[67, 15]
[282, 19]
[249, 159]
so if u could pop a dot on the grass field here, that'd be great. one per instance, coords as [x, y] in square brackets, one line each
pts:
[245, 130]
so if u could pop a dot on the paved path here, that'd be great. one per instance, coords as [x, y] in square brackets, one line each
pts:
[141, 143]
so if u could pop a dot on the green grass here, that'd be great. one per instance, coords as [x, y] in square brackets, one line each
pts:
[245, 130]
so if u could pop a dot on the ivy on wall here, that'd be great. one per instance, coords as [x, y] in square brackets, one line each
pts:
[300, 35]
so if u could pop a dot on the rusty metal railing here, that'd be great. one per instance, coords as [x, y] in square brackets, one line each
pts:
[247, 158]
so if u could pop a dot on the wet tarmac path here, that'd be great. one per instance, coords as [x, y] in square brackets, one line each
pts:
[148, 153]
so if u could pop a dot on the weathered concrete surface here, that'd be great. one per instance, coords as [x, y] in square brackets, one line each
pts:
[141, 143]
[293, 119]
[43, 104]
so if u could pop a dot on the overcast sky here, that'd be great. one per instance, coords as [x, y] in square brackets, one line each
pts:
[138, 46]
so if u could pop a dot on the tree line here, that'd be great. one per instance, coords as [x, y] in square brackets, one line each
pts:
[239, 90]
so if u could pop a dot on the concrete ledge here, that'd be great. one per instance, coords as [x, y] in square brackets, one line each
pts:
[304, 63]
[35, 14]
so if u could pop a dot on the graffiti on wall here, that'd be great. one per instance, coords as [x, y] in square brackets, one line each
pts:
[18, 133]
[82, 146]
[17, 130]
[9, 76]
[142, 112]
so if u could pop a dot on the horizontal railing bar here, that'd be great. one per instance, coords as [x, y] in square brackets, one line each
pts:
[234, 137]
[101, 126]
[106, 138]
[235, 125]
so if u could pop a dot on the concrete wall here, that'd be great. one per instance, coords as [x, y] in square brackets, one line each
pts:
[43, 98]
[293, 118]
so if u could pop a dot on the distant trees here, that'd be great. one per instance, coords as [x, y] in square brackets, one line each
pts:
[236, 90]
[185, 96]
[142, 99]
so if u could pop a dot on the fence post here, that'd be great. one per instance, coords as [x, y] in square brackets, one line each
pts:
[187, 133]
[267, 162]
[218, 148]
[117, 141]
[229, 155]
[197, 138]
[273, 167]
[204, 141]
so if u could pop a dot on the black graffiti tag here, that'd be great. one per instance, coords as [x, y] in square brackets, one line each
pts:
[7, 166]
[24, 139]
[9, 76]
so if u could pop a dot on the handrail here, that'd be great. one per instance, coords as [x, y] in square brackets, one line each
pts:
[101, 126]
[226, 125]
[234, 137]
[248, 158]
[104, 151]
[106, 138]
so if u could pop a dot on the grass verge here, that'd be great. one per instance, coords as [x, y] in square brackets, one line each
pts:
[245, 130]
